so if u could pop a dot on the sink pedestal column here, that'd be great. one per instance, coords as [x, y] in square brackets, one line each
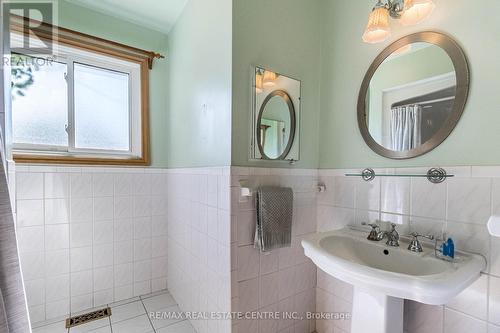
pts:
[376, 313]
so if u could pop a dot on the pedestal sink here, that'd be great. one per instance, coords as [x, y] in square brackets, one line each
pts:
[384, 276]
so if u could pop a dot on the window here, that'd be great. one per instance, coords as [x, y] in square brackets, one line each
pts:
[80, 104]
[107, 127]
[85, 104]
[39, 103]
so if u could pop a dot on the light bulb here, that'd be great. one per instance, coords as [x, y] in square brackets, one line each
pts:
[258, 83]
[415, 11]
[377, 29]
[269, 78]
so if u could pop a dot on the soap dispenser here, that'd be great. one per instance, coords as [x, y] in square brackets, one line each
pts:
[444, 249]
[451, 248]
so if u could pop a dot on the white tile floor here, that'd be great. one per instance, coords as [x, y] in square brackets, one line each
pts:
[130, 316]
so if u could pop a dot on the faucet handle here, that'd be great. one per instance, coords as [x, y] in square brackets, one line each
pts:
[375, 233]
[415, 245]
[415, 235]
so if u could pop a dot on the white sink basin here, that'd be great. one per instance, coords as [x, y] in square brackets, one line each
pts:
[382, 275]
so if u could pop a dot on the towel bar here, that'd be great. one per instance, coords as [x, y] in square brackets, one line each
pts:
[246, 191]
[434, 175]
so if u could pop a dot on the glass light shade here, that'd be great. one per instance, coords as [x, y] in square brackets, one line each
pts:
[378, 28]
[268, 79]
[416, 11]
[258, 83]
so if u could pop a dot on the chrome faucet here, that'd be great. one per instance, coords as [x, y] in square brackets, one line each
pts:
[415, 245]
[392, 236]
[377, 235]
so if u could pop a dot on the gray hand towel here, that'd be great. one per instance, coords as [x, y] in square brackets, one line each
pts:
[274, 218]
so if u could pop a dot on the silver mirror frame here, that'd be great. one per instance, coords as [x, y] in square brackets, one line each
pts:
[291, 109]
[461, 65]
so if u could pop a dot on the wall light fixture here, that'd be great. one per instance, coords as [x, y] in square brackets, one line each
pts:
[409, 12]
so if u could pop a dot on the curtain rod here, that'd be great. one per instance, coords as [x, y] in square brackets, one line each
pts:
[52, 32]
[427, 102]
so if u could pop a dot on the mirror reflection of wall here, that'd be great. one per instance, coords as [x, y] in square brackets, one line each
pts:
[272, 137]
[276, 119]
[276, 115]
[410, 97]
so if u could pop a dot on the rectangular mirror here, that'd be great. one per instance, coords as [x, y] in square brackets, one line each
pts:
[275, 117]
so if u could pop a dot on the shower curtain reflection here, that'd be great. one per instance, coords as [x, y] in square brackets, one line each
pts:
[406, 127]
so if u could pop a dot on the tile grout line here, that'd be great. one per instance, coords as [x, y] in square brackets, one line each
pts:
[109, 319]
[92, 244]
[113, 291]
[45, 277]
[70, 251]
[489, 277]
[113, 242]
[149, 318]
[128, 318]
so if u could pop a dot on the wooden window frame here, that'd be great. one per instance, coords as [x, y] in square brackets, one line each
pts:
[75, 39]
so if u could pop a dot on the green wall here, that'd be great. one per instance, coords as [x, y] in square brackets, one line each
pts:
[345, 59]
[199, 118]
[282, 35]
[201, 96]
[94, 23]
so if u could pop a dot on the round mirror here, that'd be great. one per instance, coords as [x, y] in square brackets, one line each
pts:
[276, 126]
[413, 95]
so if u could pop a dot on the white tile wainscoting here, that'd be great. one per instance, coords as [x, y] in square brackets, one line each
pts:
[68, 217]
[460, 207]
[283, 280]
[89, 236]
[199, 249]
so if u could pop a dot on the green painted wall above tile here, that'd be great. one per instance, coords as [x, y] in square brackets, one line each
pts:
[283, 36]
[199, 118]
[201, 95]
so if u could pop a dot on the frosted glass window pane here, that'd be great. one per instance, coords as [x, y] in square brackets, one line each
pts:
[101, 108]
[39, 104]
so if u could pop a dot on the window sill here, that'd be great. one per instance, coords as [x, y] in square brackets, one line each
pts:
[48, 158]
